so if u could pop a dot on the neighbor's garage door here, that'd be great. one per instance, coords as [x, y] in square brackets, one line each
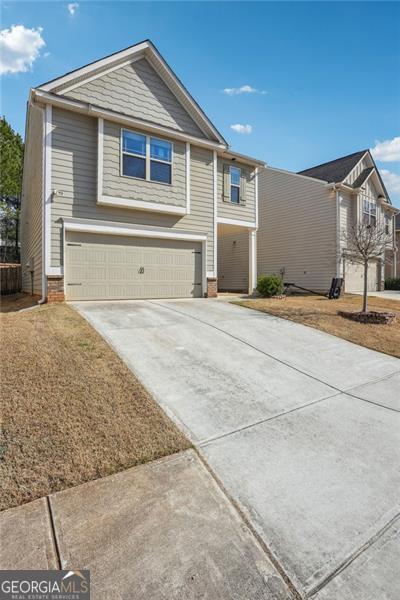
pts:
[354, 277]
[109, 267]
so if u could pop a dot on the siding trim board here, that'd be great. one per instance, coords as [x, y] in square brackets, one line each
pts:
[238, 222]
[48, 192]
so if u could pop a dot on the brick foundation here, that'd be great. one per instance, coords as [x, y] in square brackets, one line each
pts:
[212, 287]
[55, 289]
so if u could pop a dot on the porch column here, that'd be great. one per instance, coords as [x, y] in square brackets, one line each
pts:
[252, 260]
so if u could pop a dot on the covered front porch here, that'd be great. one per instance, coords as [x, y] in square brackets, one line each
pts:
[237, 258]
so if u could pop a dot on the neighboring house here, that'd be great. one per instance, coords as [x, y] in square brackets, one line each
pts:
[396, 271]
[303, 217]
[128, 187]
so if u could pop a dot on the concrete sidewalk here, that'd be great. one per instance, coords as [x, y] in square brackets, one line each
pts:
[163, 530]
[302, 429]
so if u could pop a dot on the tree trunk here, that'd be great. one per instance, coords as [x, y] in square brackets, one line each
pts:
[365, 293]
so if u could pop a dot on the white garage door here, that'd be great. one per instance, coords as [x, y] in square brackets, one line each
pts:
[354, 277]
[109, 267]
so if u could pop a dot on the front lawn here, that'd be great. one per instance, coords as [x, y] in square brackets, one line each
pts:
[71, 410]
[321, 313]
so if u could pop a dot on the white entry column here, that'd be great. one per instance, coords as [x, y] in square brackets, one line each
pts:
[252, 260]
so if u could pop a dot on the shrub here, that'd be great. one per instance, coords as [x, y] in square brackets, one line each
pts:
[392, 283]
[269, 285]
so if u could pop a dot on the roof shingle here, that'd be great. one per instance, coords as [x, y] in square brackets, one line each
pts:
[336, 170]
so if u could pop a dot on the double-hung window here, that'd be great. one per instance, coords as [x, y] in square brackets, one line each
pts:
[146, 157]
[235, 185]
[387, 224]
[160, 160]
[369, 212]
[133, 154]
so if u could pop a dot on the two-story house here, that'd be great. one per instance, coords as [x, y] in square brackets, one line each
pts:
[304, 217]
[128, 186]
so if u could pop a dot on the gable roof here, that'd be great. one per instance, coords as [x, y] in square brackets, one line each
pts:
[145, 49]
[363, 176]
[336, 170]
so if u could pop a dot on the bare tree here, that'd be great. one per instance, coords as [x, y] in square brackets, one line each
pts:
[363, 243]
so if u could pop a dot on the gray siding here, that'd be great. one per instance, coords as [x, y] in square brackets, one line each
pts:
[74, 172]
[32, 203]
[138, 91]
[233, 260]
[114, 184]
[297, 229]
[227, 210]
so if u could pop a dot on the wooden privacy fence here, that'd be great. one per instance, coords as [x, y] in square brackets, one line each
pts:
[10, 279]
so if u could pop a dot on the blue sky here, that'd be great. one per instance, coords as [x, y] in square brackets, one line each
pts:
[324, 77]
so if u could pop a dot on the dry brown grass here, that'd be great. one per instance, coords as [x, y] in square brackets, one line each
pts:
[321, 313]
[71, 410]
[15, 302]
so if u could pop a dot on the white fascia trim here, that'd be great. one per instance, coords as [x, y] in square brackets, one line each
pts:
[88, 109]
[141, 205]
[155, 57]
[98, 64]
[106, 227]
[104, 72]
[355, 166]
[215, 208]
[47, 189]
[187, 164]
[248, 224]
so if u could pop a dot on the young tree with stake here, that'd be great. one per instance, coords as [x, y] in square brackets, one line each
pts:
[364, 243]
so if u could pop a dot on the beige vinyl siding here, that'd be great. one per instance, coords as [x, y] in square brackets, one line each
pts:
[228, 210]
[74, 173]
[32, 203]
[297, 229]
[233, 261]
[114, 184]
[138, 91]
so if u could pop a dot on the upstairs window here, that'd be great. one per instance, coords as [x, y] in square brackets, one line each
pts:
[369, 212]
[145, 157]
[235, 185]
[160, 160]
[387, 224]
[133, 154]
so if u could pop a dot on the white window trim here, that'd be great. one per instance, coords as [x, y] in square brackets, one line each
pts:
[109, 228]
[146, 157]
[234, 184]
[368, 212]
[105, 200]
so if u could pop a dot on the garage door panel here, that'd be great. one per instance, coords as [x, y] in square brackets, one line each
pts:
[115, 267]
[354, 277]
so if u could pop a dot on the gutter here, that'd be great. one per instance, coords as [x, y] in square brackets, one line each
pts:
[110, 115]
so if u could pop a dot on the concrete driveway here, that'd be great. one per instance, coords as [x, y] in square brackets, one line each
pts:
[301, 428]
